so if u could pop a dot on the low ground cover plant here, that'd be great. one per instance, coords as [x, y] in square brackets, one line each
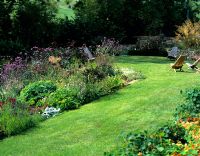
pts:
[178, 138]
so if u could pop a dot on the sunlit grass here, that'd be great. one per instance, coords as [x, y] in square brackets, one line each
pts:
[64, 10]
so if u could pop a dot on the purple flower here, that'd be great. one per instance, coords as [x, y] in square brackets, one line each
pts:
[15, 67]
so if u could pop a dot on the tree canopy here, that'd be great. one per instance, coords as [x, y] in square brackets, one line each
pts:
[34, 22]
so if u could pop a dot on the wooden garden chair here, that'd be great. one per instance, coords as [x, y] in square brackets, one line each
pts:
[178, 64]
[194, 65]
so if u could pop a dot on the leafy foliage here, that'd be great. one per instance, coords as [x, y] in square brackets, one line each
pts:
[64, 98]
[174, 132]
[5, 20]
[34, 93]
[110, 84]
[15, 118]
[124, 19]
[33, 18]
[29, 23]
[192, 105]
[98, 73]
[160, 143]
[195, 7]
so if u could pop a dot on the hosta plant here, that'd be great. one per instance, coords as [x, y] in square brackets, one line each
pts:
[35, 93]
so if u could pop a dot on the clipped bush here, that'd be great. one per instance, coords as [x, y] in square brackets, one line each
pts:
[34, 93]
[64, 98]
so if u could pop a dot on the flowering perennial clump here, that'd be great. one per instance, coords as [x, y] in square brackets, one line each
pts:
[12, 68]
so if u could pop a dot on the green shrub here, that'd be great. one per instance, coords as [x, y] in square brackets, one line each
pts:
[64, 98]
[141, 144]
[97, 73]
[14, 119]
[90, 93]
[191, 108]
[160, 143]
[85, 91]
[174, 132]
[109, 84]
[34, 93]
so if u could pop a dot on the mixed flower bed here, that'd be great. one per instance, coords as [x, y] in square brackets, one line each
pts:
[52, 79]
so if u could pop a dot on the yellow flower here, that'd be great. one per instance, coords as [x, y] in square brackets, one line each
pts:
[54, 60]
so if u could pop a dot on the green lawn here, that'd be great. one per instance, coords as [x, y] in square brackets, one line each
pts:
[96, 127]
[64, 10]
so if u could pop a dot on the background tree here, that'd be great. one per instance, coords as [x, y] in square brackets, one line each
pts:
[131, 21]
[195, 8]
[27, 23]
[99, 18]
[128, 18]
[34, 22]
[5, 18]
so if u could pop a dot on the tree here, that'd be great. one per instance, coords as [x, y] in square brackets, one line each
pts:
[5, 19]
[195, 7]
[99, 18]
[34, 21]
[132, 22]
[162, 16]
[128, 18]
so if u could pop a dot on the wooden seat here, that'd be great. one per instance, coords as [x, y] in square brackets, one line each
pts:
[194, 65]
[178, 64]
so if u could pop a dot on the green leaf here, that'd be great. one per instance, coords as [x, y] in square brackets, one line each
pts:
[160, 149]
